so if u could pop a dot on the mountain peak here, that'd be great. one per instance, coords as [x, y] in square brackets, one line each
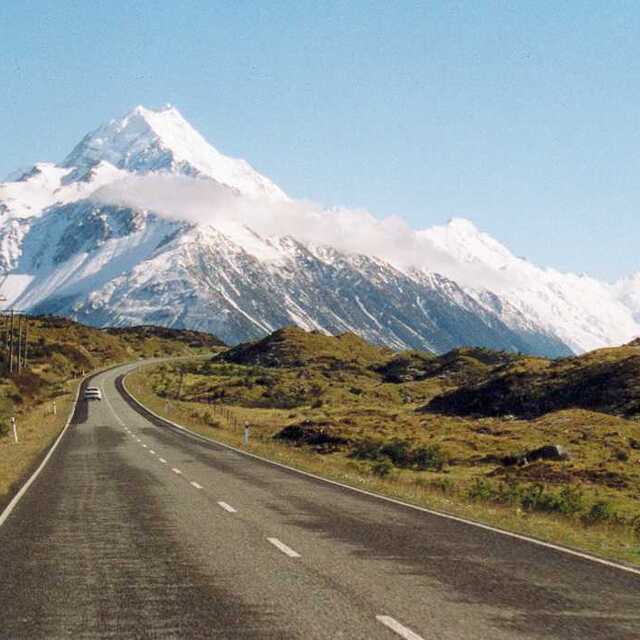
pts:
[463, 225]
[162, 140]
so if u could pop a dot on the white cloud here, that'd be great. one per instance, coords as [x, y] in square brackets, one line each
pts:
[205, 201]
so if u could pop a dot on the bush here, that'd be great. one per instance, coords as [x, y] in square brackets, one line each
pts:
[601, 511]
[381, 468]
[568, 502]
[571, 500]
[510, 493]
[482, 490]
[431, 457]
[530, 497]
[398, 452]
[366, 449]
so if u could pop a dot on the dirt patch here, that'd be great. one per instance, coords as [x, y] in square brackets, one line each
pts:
[539, 472]
[600, 476]
[314, 434]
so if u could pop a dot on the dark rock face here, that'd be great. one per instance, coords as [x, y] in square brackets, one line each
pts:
[547, 452]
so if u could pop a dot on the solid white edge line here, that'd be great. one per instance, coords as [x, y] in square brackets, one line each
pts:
[176, 471]
[284, 548]
[440, 514]
[400, 629]
[227, 507]
[14, 501]
[193, 483]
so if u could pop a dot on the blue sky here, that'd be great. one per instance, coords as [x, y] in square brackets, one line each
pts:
[522, 116]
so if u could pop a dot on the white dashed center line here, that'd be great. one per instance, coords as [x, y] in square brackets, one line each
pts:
[283, 547]
[152, 452]
[144, 445]
[177, 471]
[195, 484]
[400, 629]
[227, 507]
[162, 460]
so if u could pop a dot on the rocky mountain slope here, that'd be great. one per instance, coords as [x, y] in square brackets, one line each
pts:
[604, 380]
[92, 239]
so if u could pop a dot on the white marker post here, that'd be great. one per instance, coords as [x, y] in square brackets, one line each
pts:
[54, 409]
[15, 429]
[246, 434]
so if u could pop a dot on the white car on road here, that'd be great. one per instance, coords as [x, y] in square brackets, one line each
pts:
[92, 393]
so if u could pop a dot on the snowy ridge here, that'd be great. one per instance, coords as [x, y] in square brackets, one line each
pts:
[69, 246]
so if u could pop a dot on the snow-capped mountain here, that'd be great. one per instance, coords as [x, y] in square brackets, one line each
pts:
[145, 222]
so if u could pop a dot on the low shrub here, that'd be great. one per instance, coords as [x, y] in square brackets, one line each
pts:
[532, 497]
[366, 449]
[601, 511]
[621, 455]
[429, 458]
[482, 490]
[400, 453]
[381, 468]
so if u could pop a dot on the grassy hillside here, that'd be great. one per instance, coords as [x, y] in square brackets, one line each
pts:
[606, 380]
[292, 347]
[60, 349]
[440, 427]
[59, 353]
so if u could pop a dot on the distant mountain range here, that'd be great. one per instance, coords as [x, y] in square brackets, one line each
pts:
[102, 238]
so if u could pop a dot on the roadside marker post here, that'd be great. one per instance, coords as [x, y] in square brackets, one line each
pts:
[15, 429]
[245, 439]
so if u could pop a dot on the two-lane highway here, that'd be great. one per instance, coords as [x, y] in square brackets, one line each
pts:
[135, 531]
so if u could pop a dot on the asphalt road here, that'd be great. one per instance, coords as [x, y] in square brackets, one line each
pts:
[134, 531]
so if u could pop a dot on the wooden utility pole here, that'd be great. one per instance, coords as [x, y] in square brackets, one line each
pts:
[5, 339]
[14, 340]
[11, 343]
[20, 323]
[26, 342]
